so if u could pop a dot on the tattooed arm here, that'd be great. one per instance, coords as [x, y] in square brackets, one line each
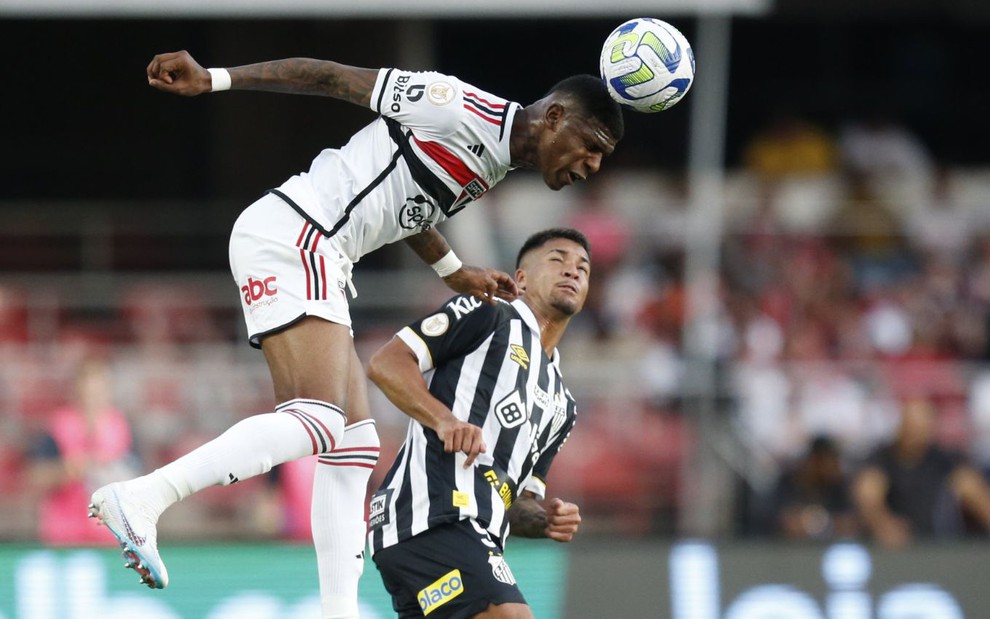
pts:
[557, 519]
[179, 73]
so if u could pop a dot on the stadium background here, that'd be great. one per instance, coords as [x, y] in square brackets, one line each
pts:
[116, 202]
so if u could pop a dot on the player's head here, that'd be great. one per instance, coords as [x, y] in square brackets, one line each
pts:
[593, 100]
[573, 127]
[553, 269]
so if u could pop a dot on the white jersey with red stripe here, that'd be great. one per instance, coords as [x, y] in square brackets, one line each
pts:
[437, 145]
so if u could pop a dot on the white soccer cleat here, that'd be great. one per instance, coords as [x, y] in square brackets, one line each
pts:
[134, 526]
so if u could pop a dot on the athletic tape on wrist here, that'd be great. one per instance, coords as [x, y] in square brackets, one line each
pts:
[220, 78]
[448, 265]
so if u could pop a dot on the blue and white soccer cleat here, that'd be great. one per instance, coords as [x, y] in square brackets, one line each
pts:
[134, 526]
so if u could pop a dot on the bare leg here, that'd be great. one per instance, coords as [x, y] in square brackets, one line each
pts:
[339, 496]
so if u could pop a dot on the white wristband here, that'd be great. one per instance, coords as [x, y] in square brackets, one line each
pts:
[448, 265]
[220, 79]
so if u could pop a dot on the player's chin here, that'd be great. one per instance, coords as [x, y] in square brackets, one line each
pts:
[554, 183]
[566, 306]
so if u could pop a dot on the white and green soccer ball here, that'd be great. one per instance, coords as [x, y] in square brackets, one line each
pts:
[647, 65]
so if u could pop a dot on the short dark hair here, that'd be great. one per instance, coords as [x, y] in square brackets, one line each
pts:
[542, 238]
[593, 97]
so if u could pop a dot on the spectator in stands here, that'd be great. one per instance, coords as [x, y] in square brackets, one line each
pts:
[811, 500]
[87, 444]
[790, 146]
[942, 225]
[870, 233]
[878, 146]
[913, 488]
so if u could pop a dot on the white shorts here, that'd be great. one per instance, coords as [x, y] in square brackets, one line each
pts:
[285, 270]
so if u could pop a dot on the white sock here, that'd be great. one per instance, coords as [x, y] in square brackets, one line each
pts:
[340, 491]
[252, 446]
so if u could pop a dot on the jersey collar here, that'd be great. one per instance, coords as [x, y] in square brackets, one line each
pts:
[506, 140]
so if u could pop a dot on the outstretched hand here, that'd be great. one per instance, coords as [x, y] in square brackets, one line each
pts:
[178, 73]
[484, 284]
[562, 520]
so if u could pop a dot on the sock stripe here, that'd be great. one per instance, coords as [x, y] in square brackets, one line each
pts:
[314, 425]
[348, 449]
[326, 437]
[305, 427]
[364, 465]
[332, 458]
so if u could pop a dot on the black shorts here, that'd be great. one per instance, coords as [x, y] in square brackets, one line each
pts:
[452, 571]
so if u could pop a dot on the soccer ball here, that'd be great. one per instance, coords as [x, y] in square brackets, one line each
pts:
[647, 65]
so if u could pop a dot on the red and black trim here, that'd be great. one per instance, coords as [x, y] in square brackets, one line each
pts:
[424, 177]
[313, 263]
[361, 457]
[319, 434]
[485, 109]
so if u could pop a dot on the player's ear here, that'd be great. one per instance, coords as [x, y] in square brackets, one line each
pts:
[553, 115]
[521, 280]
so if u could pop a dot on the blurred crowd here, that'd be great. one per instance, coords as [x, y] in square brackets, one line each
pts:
[849, 351]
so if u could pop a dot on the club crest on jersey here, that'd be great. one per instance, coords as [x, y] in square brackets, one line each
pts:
[436, 325]
[475, 189]
[417, 212]
[440, 93]
[500, 569]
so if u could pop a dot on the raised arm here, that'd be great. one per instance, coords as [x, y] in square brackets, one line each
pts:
[179, 73]
[481, 283]
[395, 369]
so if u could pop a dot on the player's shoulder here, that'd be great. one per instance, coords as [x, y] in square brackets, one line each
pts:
[463, 306]
[398, 88]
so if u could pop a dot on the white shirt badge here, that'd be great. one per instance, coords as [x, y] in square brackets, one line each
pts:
[440, 93]
[435, 325]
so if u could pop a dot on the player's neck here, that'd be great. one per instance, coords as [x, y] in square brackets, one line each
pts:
[552, 324]
[523, 138]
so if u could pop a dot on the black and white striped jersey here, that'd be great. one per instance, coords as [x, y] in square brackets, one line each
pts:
[437, 145]
[487, 365]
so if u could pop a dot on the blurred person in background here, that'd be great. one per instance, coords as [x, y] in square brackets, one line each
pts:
[790, 146]
[811, 500]
[877, 146]
[870, 234]
[438, 145]
[87, 444]
[914, 489]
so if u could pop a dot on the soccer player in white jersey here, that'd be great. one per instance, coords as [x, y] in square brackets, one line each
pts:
[437, 145]
[489, 411]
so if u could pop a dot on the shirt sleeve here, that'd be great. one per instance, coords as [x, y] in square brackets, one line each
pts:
[454, 330]
[427, 102]
[536, 481]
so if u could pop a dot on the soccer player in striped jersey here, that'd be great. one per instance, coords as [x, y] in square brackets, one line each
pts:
[489, 411]
[437, 145]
